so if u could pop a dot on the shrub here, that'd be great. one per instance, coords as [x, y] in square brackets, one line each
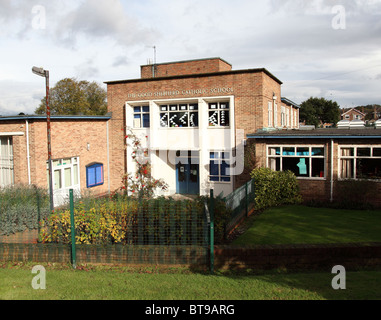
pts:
[275, 188]
[21, 207]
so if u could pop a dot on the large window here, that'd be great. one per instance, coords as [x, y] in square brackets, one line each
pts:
[141, 117]
[179, 115]
[360, 162]
[219, 167]
[6, 162]
[303, 161]
[65, 173]
[219, 114]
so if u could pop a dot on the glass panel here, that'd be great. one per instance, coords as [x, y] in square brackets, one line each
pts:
[75, 174]
[193, 120]
[317, 169]
[288, 151]
[224, 118]
[274, 164]
[299, 166]
[214, 168]
[137, 121]
[274, 151]
[213, 118]
[182, 119]
[164, 108]
[225, 179]
[317, 152]
[57, 180]
[181, 172]
[214, 179]
[346, 168]
[173, 108]
[214, 155]
[212, 106]
[376, 152]
[66, 162]
[224, 169]
[146, 122]
[137, 109]
[224, 106]
[164, 120]
[193, 107]
[146, 109]
[347, 152]
[68, 178]
[363, 152]
[194, 173]
[368, 169]
[56, 163]
[183, 107]
[303, 152]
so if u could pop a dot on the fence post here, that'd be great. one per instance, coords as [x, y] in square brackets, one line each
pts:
[72, 227]
[211, 231]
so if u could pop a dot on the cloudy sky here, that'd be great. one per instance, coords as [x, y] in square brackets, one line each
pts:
[320, 48]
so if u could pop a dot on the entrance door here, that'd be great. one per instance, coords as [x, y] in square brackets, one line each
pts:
[188, 177]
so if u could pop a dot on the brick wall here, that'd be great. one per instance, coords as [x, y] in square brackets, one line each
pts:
[69, 139]
[185, 67]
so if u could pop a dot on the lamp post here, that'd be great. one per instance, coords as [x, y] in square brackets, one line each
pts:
[45, 73]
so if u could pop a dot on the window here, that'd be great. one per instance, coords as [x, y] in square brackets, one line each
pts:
[219, 114]
[303, 161]
[65, 173]
[275, 115]
[283, 117]
[6, 162]
[94, 175]
[360, 162]
[270, 114]
[179, 116]
[219, 167]
[141, 117]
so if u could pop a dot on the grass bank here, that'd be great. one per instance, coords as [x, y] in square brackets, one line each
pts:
[308, 225]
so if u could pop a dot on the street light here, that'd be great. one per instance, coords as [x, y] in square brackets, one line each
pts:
[45, 73]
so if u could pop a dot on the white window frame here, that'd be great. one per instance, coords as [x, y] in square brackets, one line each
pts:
[141, 114]
[180, 107]
[219, 110]
[354, 158]
[61, 167]
[219, 159]
[296, 146]
[7, 162]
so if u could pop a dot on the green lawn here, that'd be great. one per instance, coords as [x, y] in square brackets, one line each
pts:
[307, 225]
[119, 284]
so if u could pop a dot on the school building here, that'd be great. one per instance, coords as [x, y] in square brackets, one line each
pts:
[196, 115]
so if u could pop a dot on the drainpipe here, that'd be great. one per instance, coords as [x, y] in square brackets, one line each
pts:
[331, 170]
[108, 158]
[27, 151]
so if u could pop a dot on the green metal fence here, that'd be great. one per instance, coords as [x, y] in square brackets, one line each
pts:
[120, 231]
[241, 202]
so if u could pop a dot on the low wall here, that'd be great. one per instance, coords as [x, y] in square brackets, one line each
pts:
[266, 257]
[298, 257]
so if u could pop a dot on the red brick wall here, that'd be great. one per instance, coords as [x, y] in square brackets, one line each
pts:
[185, 67]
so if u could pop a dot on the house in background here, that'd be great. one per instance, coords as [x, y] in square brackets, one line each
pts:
[353, 114]
[196, 115]
[80, 154]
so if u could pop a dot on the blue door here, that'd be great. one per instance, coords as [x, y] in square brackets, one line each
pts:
[188, 177]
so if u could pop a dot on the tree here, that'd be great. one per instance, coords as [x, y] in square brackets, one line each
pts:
[72, 97]
[316, 111]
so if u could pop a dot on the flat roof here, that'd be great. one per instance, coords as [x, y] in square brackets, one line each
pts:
[186, 61]
[288, 101]
[328, 133]
[198, 75]
[53, 117]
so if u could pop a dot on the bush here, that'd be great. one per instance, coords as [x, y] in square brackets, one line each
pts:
[275, 188]
[126, 220]
[21, 207]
